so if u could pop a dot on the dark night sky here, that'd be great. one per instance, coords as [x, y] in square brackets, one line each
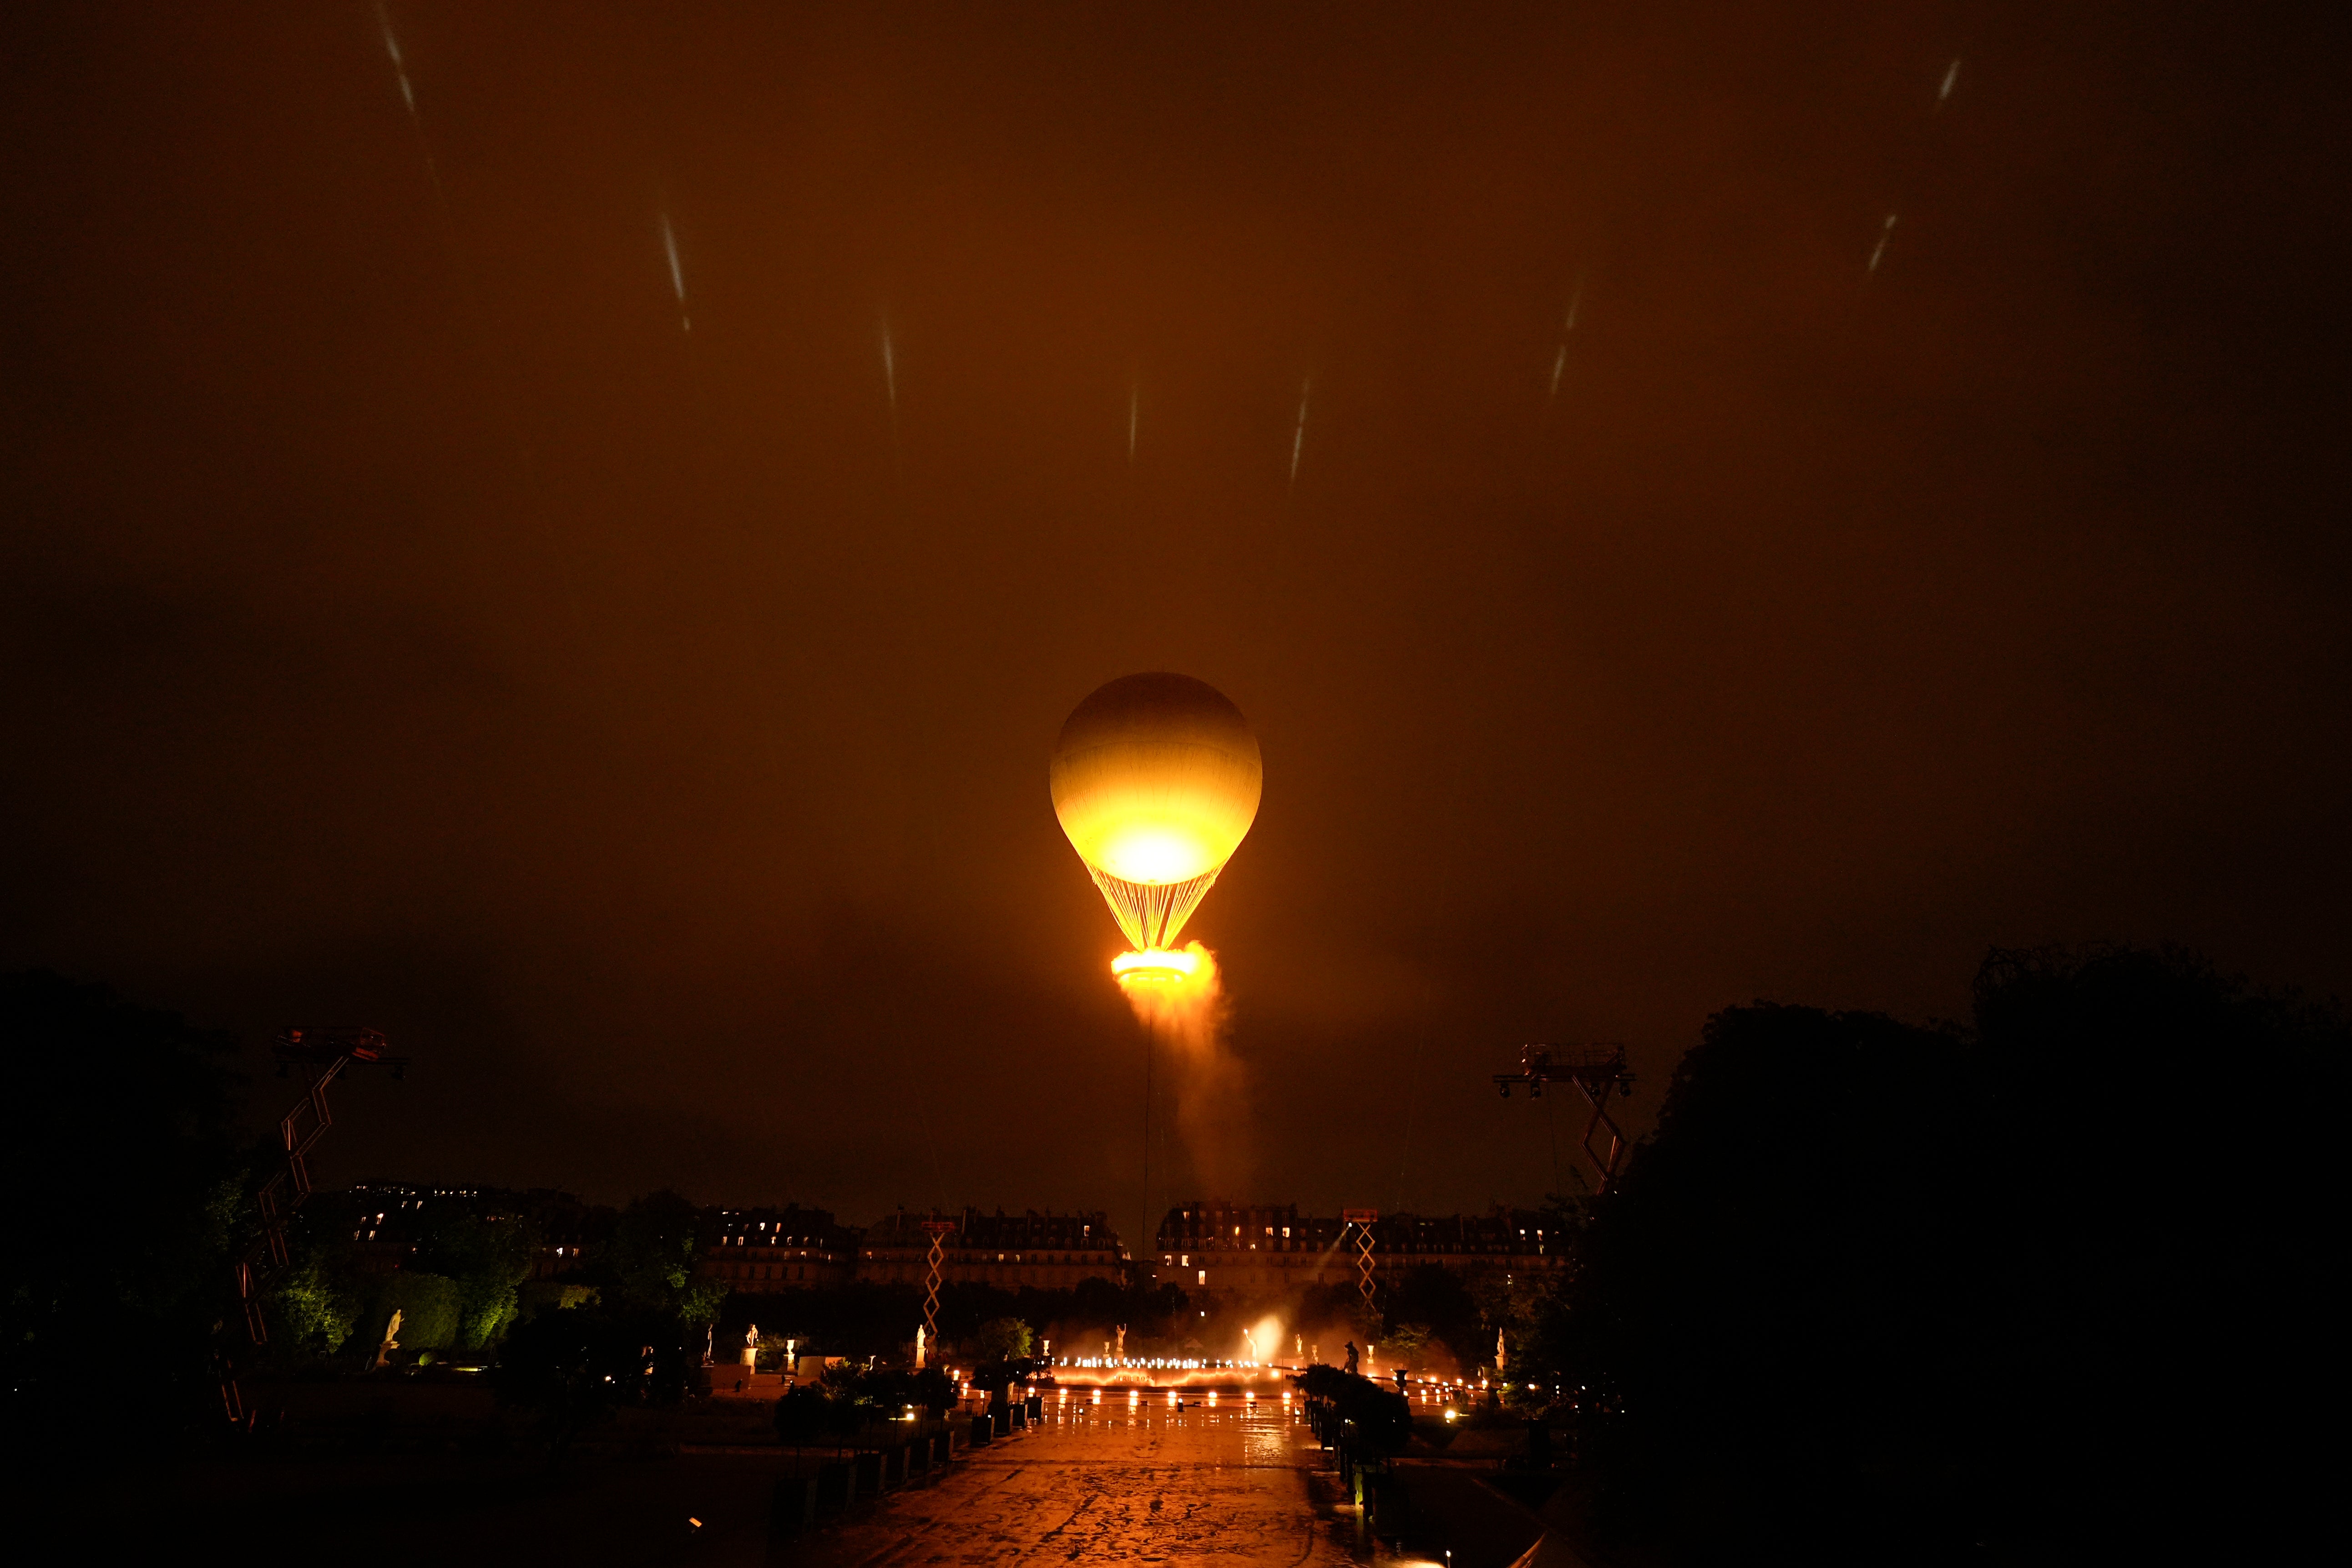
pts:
[407, 622]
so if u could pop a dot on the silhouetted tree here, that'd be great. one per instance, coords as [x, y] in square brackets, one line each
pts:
[1377, 1420]
[577, 1366]
[488, 1258]
[1003, 1339]
[1873, 1292]
[849, 1400]
[2162, 1306]
[651, 1261]
[123, 1177]
[317, 1303]
[804, 1416]
[1438, 1303]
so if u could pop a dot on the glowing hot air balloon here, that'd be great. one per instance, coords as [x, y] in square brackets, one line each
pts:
[1156, 779]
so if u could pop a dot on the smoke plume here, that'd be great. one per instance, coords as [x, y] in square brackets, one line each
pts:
[1187, 1019]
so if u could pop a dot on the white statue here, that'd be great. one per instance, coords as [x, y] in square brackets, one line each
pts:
[918, 1348]
[391, 1343]
[751, 1345]
[1499, 1361]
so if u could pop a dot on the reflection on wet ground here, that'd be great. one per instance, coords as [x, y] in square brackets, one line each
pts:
[1117, 1480]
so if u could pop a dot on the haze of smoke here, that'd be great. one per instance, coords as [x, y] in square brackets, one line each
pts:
[1188, 1023]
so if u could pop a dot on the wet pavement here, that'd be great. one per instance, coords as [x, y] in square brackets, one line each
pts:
[1231, 1483]
[1205, 1486]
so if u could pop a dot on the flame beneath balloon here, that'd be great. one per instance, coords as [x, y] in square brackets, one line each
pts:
[1180, 997]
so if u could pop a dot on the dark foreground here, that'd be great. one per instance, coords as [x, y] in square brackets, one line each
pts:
[1091, 1482]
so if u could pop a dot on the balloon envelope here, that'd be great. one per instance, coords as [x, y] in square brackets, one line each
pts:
[1156, 780]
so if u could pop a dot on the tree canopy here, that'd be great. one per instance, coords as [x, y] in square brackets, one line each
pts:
[487, 1258]
[1876, 1291]
[124, 1176]
[1002, 1339]
[651, 1261]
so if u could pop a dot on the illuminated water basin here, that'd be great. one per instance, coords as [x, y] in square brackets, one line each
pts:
[1238, 1377]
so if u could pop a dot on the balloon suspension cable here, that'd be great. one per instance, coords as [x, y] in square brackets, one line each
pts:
[1152, 914]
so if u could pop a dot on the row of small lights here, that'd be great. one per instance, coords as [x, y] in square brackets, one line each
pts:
[1431, 1389]
[1161, 1363]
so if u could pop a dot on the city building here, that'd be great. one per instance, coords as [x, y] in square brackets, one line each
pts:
[789, 1249]
[1047, 1251]
[1228, 1248]
[1213, 1249]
